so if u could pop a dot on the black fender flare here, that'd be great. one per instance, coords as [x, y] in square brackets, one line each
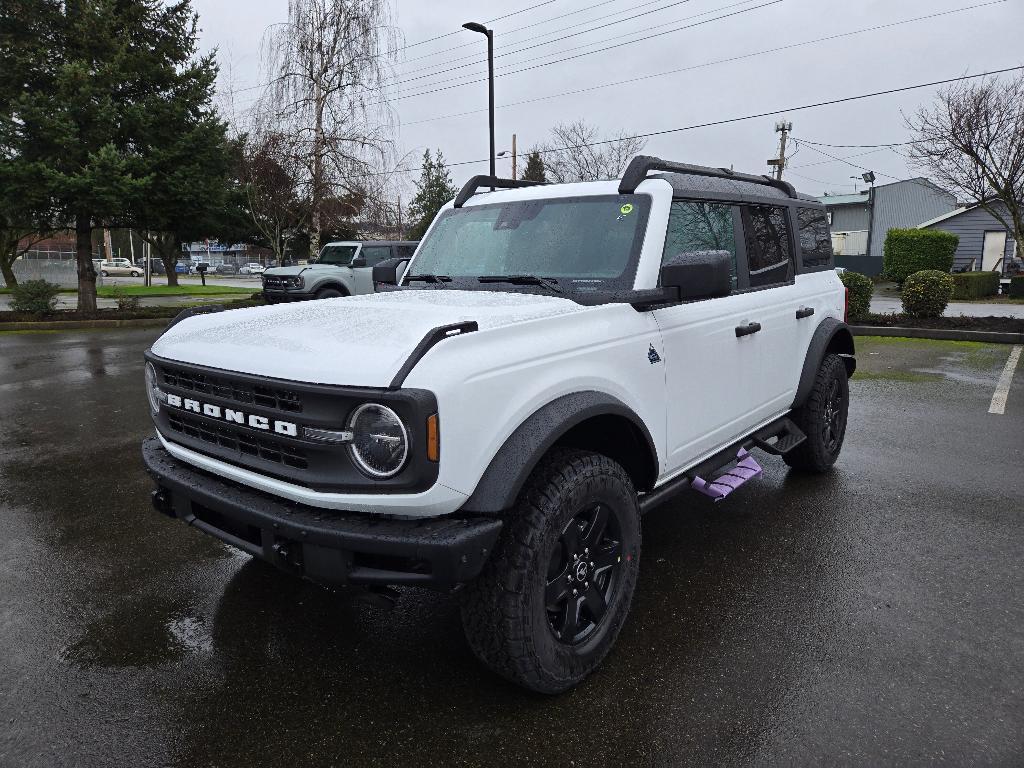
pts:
[831, 336]
[332, 284]
[501, 482]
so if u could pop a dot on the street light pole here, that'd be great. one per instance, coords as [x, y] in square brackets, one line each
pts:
[472, 26]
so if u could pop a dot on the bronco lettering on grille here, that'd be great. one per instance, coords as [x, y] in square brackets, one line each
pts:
[251, 420]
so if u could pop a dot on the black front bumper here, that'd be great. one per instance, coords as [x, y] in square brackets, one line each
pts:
[280, 296]
[326, 546]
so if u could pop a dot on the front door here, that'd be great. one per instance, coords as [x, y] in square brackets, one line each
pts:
[992, 253]
[363, 276]
[708, 368]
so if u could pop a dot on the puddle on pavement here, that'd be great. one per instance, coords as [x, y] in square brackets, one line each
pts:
[140, 633]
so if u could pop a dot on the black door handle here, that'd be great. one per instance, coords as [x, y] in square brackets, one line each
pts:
[804, 312]
[746, 330]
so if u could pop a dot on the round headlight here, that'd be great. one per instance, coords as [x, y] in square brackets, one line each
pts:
[153, 388]
[380, 444]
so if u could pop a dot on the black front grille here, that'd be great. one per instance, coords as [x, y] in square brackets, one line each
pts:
[285, 453]
[272, 282]
[238, 391]
[240, 441]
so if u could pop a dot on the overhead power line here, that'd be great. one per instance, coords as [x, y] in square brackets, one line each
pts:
[599, 50]
[754, 116]
[475, 60]
[730, 59]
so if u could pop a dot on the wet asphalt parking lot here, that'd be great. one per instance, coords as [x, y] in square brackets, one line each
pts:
[871, 616]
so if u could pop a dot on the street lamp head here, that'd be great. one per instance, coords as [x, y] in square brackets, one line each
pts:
[472, 26]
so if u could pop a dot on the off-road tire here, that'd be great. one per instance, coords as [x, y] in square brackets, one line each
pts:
[504, 611]
[828, 401]
[330, 293]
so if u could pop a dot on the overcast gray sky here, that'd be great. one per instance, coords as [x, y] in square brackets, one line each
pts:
[975, 40]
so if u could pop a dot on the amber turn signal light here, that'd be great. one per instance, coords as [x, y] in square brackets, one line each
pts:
[433, 439]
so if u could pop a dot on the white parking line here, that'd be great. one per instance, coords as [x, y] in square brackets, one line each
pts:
[1003, 385]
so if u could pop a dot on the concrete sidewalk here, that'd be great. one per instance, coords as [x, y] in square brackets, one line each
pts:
[887, 305]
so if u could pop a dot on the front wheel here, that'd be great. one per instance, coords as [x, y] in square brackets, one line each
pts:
[551, 601]
[329, 293]
[822, 418]
[136, 274]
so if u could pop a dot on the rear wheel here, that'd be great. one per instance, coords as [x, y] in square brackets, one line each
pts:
[822, 418]
[551, 601]
[329, 293]
[104, 273]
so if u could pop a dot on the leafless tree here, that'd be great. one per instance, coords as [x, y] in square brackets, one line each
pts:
[574, 153]
[270, 177]
[328, 65]
[971, 141]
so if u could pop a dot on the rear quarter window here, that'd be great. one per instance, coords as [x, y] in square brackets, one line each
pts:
[815, 237]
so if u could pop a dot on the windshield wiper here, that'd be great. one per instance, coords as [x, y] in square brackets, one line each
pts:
[545, 282]
[442, 279]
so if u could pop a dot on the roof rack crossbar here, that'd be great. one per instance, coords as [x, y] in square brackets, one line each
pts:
[471, 186]
[640, 165]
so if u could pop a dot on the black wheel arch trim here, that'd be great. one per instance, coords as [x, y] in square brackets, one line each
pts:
[510, 467]
[831, 336]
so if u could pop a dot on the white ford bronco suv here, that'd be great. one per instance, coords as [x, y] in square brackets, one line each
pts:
[555, 360]
[340, 269]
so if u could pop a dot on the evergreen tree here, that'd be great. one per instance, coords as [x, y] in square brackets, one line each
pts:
[107, 95]
[534, 168]
[433, 190]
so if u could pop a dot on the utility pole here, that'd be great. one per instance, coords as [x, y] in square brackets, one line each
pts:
[784, 128]
[513, 157]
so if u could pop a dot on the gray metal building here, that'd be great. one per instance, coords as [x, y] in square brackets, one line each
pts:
[985, 243]
[860, 221]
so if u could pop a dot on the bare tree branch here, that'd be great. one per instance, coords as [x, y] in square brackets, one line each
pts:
[572, 155]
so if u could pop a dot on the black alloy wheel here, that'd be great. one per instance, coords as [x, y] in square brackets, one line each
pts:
[583, 574]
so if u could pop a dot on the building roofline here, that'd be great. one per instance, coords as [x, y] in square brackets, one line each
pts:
[949, 215]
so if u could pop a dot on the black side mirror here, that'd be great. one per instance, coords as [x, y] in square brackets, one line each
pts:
[389, 271]
[358, 261]
[698, 274]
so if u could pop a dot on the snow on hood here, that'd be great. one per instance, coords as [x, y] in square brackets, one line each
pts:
[354, 340]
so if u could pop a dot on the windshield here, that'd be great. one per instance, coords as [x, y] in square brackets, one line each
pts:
[336, 254]
[586, 244]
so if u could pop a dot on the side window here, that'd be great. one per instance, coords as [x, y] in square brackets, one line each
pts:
[769, 258]
[815, 237]
[375, 254]
[404, 251]
[697, 226]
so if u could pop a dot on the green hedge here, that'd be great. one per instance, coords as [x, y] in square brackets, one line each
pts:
[975, 285]
[859, 288]
[1017, 286]
[908, 251]
[926, 293]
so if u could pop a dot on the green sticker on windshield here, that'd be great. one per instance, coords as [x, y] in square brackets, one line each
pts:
[626, 209]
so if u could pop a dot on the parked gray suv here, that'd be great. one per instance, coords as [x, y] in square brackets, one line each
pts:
[341, 269]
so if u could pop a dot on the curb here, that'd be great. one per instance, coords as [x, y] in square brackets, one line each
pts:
[943, 334]
[75, 325]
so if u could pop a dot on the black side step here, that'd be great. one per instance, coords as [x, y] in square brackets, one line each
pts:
[779, 437]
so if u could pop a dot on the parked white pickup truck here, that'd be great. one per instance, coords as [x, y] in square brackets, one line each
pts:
[555, 360]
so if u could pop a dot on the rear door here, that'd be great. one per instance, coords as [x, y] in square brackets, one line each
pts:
[707, 366]
[781, 304]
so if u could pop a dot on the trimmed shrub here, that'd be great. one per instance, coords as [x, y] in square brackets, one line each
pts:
[975, 285]
[926, 293]
[125, 302]
[1017, 286]
[908, 251]
[860, 288]
[36, 296]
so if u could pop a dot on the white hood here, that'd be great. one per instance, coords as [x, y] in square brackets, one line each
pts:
[355, 340]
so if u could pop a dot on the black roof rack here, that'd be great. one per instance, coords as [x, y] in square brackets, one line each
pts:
[471, 186]
[638, 167]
